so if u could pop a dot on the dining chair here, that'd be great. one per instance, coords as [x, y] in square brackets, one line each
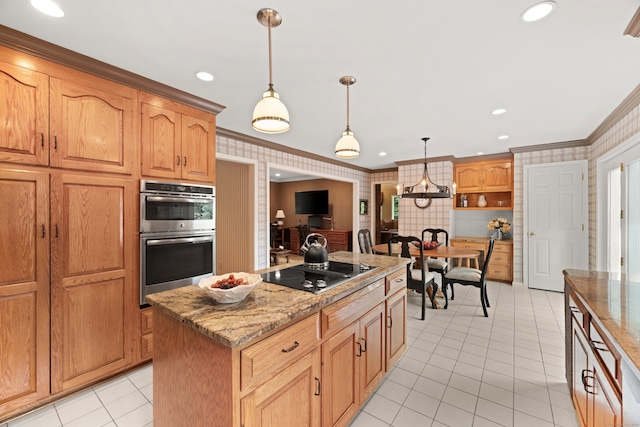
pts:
[439, 235]
[469, 277]
[417, 279]
[364, 241]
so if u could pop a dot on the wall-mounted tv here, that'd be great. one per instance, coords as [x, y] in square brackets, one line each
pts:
[312, 202]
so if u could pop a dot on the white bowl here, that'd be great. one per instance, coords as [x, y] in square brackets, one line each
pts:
[235, 294]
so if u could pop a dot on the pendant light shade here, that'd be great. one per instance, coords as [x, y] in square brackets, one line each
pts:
[270, 115]
[347, 147]
[421, 189]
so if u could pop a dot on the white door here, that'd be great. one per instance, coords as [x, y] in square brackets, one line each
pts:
[555, 222]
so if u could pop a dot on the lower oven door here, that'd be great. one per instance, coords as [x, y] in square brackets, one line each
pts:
[171, 261]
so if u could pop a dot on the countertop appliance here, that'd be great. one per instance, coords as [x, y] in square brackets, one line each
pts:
[314, 279]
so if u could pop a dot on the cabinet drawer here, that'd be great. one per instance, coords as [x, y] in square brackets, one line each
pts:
[351, 308]
[146, 349]
[395, 281]
[146, 320]
[499, 272]
[500, 258]
[266, 358]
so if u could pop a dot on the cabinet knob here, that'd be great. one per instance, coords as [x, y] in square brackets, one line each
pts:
[533, 233]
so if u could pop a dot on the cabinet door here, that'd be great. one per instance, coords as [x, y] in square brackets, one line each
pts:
[340, 373]
[93, 293]
[607, 409]
[91, 124]
[581, 353]
[161, 134]
[198, 148]
[371, 350]
[468, 178]
[291, 399]
[24, 115]
[396, 335]
[497, 176]
[24, 289]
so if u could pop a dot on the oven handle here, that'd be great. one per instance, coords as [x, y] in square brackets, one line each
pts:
[174, 199]
[159, 242]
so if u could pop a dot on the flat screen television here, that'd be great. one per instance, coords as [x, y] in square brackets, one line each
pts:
[312, 202]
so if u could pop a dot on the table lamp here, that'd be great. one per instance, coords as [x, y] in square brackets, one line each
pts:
[280, 216]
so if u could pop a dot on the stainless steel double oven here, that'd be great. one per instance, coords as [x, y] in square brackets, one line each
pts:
[177, 235]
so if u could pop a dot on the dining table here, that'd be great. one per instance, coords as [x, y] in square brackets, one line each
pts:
[470, 256]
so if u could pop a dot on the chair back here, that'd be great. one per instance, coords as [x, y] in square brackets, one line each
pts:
[364, 241]
[486, 260]
[434, 234]
[404, 242]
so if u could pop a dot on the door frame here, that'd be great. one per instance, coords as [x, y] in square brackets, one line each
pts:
[525, 212]
[629, 144]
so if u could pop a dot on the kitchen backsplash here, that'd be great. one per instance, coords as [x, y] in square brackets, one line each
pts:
[474, 223]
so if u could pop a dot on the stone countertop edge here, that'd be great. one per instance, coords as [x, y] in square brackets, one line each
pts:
[607, 297]
[268, 306]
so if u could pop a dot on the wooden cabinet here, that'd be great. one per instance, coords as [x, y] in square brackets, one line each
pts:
[146, 334]
[337, 240]
[93, 292]
[24, 289]
[501, 263]
[491, 178]
[79, 122]
[595, 371]
[291, 399]
[396, 317]
[178, 142]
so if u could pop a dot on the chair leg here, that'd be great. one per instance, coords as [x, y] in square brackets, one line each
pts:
[434, 290]
[453, 296]
[445, 284]
[486, 297]
[483, 300]
[424, 301]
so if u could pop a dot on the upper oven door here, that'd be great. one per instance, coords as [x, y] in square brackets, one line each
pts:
[165, 213]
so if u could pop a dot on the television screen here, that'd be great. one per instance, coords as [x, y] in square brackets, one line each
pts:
[312, 202]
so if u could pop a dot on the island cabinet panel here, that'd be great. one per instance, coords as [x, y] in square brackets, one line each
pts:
[24, 115]
[371, 350]
[291, 399]
[178, 142]
[24, 289]
[268, 357]
[396, 324]
[351, 308]
[93, 304]
[146, 334]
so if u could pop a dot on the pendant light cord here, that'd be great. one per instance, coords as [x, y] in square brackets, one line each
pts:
[269, 37]
[348, 106]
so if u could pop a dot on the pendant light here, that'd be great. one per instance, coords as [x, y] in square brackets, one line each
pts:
[421, 189]
[347, 147]
[270, 115]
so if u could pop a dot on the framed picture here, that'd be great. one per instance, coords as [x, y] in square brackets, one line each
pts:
[364, 207]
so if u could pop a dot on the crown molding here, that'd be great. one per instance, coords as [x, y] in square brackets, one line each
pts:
[625, 107]
[429, 160]
[50, 52]
[550, 146]
[633, 29]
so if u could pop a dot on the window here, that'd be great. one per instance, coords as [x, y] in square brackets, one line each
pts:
[395, 202]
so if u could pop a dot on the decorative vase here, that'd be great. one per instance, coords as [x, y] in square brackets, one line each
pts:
[499, 234]
[482, 201]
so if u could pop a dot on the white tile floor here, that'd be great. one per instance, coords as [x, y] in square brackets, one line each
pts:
[460, 369]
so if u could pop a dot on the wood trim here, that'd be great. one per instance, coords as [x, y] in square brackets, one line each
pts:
[494, 156]
[625, 107]
[48, 51]
[633, 29]
[429, 160]
[284, 149]
[551, 146]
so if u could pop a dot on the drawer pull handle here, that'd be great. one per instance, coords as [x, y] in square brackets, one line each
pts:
[390, 325]
[364, 341]
[55, 142]
[293, 347]
[185, 161]
[318, 387]
[594, 342]
[359, 350]
[585, 381]
[178, 160]
[42, 140]
[43, 231]
[398, 280]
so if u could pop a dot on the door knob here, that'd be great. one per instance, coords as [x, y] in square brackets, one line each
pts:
[533, 233]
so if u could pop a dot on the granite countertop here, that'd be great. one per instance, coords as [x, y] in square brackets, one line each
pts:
[268, 306]
[614, 302]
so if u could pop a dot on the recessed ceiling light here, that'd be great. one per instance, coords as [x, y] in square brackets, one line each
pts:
[498, 111]
[277, 174]
[503, 137]
[382, 153]
[538, 11]
[48, 8]
[203, 75]
[480, 153]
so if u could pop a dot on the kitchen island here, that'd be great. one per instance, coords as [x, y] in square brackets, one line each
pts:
[602, 332]
[281, 357]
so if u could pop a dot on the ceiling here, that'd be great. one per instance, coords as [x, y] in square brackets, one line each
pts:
[424, 68]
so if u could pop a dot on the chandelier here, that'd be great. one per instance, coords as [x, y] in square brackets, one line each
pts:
[421, 189]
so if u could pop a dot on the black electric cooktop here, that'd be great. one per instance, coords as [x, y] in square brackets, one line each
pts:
[316, 280]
